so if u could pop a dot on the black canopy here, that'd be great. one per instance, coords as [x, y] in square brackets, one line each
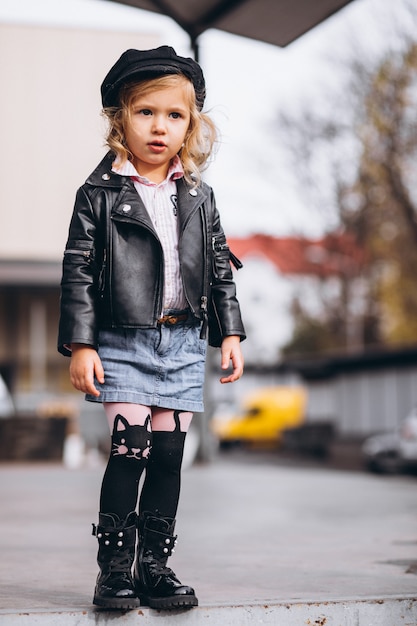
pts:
[278, 22]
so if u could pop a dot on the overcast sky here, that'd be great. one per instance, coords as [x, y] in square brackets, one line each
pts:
[252, 181]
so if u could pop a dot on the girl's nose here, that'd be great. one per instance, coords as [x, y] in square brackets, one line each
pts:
[158, 124]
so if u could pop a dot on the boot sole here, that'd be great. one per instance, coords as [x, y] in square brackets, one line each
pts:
[172, 602]
[116, 603]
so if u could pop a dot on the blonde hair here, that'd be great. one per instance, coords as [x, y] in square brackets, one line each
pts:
[200, 137]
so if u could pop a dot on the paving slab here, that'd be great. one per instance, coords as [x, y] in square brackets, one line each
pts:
[261, 543]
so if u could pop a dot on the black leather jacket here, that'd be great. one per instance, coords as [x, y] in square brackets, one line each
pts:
[113, 270]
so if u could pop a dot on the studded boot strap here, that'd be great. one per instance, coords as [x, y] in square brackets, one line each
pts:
[159, 543]
[116, 545]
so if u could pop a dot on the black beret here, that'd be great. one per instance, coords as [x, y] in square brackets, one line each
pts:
[138, 65]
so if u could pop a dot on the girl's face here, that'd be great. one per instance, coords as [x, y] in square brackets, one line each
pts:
[155, 130]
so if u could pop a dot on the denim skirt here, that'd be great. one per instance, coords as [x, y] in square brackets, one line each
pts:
[161, 366]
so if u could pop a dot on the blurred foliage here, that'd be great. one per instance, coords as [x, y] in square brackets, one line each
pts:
[332, 332]
[385, 216]
[312, 335]
[357, 158]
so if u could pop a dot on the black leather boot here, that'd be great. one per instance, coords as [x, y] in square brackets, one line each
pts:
[116, 540]
[156, 585]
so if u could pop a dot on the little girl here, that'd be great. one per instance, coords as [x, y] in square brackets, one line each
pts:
[146, 275]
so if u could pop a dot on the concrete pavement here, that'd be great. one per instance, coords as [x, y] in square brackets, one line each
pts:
[261, 543]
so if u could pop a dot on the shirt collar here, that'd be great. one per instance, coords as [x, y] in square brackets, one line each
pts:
[128, 169]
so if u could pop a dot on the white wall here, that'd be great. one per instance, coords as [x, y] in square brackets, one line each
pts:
[51, 128]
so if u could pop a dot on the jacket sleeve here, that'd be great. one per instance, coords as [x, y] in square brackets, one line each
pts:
[80, 279]
[224, 311]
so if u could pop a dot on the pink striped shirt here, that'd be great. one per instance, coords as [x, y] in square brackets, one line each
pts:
[160, 201]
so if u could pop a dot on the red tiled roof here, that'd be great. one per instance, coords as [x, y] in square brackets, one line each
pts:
[333, 255]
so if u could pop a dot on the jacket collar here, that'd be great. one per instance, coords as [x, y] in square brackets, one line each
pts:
[189, 198]
[103, 176]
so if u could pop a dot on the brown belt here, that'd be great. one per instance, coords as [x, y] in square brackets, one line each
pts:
[171, 320]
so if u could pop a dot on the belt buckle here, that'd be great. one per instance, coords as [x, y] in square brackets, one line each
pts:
[168, 319]
[171, 320]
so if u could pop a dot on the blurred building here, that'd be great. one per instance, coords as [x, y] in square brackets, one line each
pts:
[281, 270]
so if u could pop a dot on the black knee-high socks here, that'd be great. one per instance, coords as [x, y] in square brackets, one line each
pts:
[134, 448]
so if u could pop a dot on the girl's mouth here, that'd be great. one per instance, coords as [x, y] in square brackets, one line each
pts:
[157, 146]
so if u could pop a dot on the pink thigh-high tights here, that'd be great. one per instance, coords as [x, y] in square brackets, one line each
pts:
[143, 437]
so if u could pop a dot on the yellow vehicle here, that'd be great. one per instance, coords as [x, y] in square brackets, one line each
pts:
[263, 416]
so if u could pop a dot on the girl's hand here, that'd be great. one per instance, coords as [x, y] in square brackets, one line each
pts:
[85, 363]
[231, 351]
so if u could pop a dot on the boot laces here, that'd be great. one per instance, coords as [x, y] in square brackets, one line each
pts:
[157, 565]
[120, 561]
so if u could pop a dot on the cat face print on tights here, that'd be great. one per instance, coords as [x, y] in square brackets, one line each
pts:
[130, 440]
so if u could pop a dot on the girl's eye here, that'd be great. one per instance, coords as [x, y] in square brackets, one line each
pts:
[144, 112]
[175, 115]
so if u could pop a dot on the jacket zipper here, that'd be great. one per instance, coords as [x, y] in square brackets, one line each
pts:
[84, 253]
[219, 247]
[102, 275]
[204, 297]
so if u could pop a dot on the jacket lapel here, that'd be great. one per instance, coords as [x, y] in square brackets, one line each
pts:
[189, 200]
[129, 207]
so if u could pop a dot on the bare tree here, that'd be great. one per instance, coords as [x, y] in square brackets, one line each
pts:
[357, 160]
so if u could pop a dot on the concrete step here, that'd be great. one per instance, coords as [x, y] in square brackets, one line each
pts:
[365, 612]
